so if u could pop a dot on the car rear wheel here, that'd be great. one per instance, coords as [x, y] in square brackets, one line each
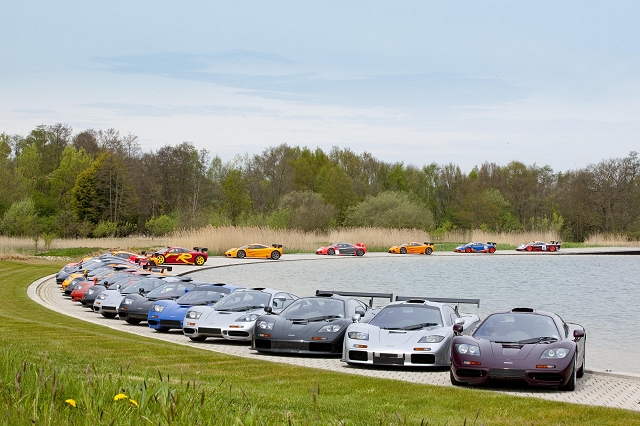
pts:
[199, 260]
[160, 259]
[429, 250]
[552, 248]
[359, 252]
[241, 254]
[275, 255]
[492, 249]
[331, 251]
[571, 384]
[132, 321]
[403, 250]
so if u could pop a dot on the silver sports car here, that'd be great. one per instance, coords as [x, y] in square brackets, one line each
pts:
[416, 332]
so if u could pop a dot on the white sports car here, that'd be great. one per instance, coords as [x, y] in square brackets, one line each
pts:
[415, 332]
[234, 317]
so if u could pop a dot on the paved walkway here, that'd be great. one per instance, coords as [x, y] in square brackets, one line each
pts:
[595, 388]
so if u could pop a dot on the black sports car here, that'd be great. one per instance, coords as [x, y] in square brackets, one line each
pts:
[135, 308]
[312, 325]
[523, 344]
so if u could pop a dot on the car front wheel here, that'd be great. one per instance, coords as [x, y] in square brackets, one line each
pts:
[331, 251]
[199, 260]
[571, 384]
[160, 259]
[403, 250]
[454, 382]
[241, 254]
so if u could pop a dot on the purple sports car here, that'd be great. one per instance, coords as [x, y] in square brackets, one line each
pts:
[522, 344]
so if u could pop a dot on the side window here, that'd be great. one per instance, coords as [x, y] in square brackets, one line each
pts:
[353, 304]
[282, 300]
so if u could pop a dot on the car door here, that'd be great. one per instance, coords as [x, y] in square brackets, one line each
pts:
[346, 249]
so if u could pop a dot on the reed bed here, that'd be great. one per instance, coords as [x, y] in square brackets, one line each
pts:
[220, 239]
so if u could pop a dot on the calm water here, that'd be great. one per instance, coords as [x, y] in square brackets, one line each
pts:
[596, 291]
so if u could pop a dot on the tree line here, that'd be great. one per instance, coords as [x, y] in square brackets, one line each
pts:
[99, 183]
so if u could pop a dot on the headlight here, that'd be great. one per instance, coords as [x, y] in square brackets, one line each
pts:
[330, 329]
[89, 292]
[102, 296]
[193, 314]
[431, 339]
[358, 335]
[128, 301]
[557, 353]
[157, 308]
[248, 318]
[465, 349]
[265, 325]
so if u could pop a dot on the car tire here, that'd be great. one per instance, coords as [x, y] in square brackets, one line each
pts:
[132, 321]
[359, 252]
[198, 338]
[467, 250]
[331, 251]
[492, 249]
[580, 371]
[199, 260]
[529, 248]
[275, 255]
[160, 259]
[241, 254]
[403, 250]
[571, 384]
[429, 250]
[552, 248]
[454, 382]
[109, 315]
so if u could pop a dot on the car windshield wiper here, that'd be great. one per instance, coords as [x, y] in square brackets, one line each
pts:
[545, 339]
[419, 326]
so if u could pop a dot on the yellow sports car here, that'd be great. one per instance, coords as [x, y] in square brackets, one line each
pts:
[414, 248]
[256, 250]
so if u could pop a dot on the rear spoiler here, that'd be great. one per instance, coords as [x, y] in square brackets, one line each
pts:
[154, 268]
[492, 243]
[555, 242]
[276, 245]
[202, 249]
[440, 300]
[428, 243]
[356, 294]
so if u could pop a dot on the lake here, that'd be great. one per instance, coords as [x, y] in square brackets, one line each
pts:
[596, 291]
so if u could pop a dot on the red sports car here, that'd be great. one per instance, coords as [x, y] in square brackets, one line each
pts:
[179, 256]
[344, 249]
[539, 246]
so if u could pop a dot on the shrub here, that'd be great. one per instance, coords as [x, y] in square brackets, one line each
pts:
[105, 229]
[159, 226]
[390, 210]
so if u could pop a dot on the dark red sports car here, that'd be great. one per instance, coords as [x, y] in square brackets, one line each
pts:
[522, 344]
[179, 256]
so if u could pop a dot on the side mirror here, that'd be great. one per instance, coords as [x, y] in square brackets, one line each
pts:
[459, 321]
[457, 328]
[141, 291]
[356, 318]
[578, 334]
[268, 310]
[360, 311]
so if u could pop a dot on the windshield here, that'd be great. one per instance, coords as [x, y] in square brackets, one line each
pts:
[518, 328]
[408, 316]
[314, 307]
[244, 300]
[147, 284]
[203, 296]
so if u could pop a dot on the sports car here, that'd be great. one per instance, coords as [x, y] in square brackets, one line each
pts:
[344, 249]
[234, 317]
[311, 325]
[178, 256]
[135, 308]
[412, 333]
[476, 247]
[256, 250]
[539, 246]
[167, 314]
[108, 300]
[522, 344]
[412, 248]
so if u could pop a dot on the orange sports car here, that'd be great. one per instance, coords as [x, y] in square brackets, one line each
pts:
[413, 248]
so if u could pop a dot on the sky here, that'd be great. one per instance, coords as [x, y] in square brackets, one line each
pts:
[552, 83]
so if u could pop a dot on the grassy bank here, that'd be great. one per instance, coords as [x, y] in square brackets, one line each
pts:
[59, 370]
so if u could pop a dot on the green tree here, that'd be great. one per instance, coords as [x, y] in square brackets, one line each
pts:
[63, 179]
[21, 219]
[390, 210]
[306, 210]
[236, 194]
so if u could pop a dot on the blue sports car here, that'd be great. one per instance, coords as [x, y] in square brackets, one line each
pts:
[167, 314]
[476, 247]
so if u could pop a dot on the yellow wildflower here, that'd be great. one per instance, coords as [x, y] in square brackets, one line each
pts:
[71, 402]
[120, 396]
[133, 402]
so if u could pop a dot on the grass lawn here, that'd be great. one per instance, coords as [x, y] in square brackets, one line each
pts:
[58, 370]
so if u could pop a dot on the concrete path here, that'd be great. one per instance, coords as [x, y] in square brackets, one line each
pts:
[595, 388]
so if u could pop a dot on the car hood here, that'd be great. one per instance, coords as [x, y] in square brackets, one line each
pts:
[302, 329]
[511, 352]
